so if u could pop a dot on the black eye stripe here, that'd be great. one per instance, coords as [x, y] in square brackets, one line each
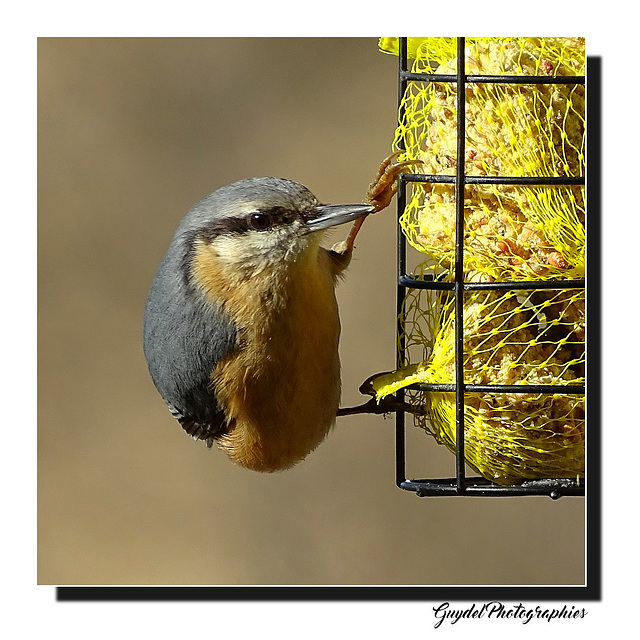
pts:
[224, 227]
[275, 216]
[279, 215]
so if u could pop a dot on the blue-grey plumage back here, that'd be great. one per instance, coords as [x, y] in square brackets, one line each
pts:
[185, 336]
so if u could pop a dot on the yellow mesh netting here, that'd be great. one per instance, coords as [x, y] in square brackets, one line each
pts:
[511, 233]
[511, 130]
[528, 337]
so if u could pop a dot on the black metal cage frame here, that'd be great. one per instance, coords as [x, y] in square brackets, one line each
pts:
[461, 484]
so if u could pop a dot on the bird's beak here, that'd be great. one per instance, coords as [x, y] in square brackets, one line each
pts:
[331, 215]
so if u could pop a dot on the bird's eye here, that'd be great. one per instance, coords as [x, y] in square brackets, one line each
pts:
[259, 221]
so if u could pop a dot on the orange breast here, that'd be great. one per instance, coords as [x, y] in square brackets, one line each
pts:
[281, 388]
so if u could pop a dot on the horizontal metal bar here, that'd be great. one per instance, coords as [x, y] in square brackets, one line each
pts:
[554, 488]
[506, 180]
[524, 284]
[526, 180]
[412, 76]
[418, 283]
[432, 386]
[568, 389]
[442, 285]
[427, 177]
[564, 389]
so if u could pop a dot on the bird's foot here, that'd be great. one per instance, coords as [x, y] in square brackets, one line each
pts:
[379, 193]
[385, 184]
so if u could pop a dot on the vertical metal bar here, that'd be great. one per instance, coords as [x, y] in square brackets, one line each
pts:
[402, 266]
[459, 266]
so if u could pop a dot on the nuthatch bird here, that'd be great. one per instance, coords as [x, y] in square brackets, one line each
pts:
[241, 325]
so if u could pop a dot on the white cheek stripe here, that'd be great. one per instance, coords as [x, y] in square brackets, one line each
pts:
[257, 249]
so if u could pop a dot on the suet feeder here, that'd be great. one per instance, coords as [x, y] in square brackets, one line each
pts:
[491, 320]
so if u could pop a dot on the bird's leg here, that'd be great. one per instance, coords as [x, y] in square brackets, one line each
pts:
[386, 405]
[379, 194]
[351, 238]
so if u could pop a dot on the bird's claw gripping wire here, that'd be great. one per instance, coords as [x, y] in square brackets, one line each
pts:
[380, 191]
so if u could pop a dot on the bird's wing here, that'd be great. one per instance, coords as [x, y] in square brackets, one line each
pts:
[185, 337]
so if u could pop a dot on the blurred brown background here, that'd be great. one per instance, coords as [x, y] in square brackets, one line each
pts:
[132, 132]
